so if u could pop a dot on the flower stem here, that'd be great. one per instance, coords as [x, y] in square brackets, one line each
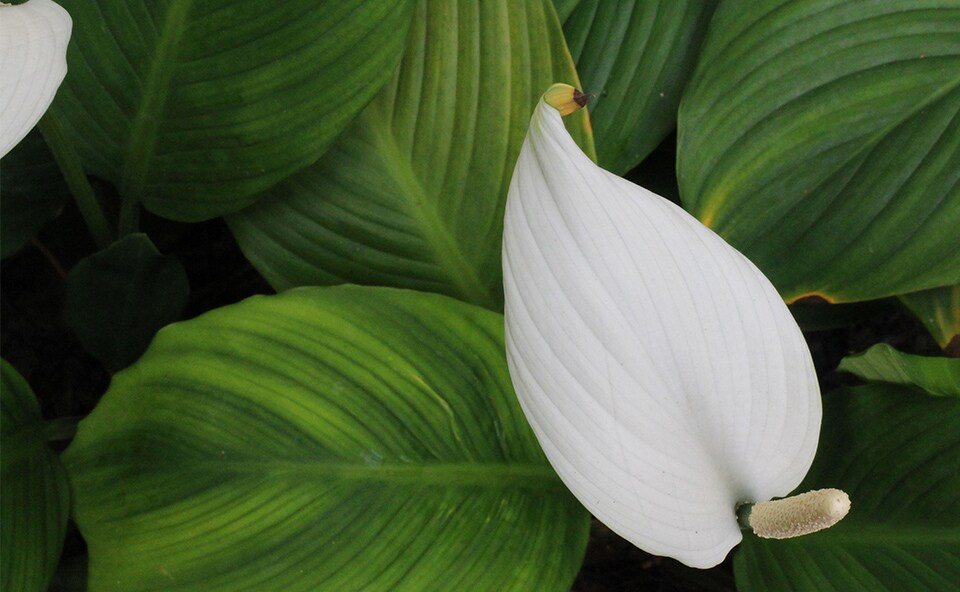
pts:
[129, 217]
[69, 163]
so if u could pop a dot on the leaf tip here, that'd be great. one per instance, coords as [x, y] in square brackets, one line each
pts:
[564, 98]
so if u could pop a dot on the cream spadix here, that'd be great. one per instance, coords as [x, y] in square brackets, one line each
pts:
[33, 62]
[662, 373]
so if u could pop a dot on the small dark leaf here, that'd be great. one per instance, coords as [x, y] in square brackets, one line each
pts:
[119, 298]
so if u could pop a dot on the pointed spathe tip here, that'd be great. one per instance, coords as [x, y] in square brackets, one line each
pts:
[564, 98]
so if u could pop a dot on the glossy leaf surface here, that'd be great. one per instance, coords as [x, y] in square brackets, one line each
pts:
[635, 57]
[194, 107]
[412, 195]
[822, 139]
[322, 439]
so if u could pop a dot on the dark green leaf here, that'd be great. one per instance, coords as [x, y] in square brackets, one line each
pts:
[413, 194]
[194, 107]
[35, 496]
[897, 454]
[337, 439]
[822, 139]
[118, 298]
[939, 311]
[882, 363]
[32, 192]
[635, 56]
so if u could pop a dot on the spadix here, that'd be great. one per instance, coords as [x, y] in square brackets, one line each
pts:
[662, 373]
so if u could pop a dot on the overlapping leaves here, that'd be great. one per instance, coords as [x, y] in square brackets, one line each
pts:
[939, 310]
[635, 58]
[412, 195]
[35, 497]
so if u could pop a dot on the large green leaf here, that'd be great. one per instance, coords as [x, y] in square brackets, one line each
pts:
[412, 195]
[822, 139]
[32, 192]
[882, 363]
[939, 310]
[34, 493]
[118, 298]
[341, 439]
[897, 454]
[635, 56]
[195, 107]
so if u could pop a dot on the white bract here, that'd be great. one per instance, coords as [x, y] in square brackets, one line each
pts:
[662, 373]
[33, 62]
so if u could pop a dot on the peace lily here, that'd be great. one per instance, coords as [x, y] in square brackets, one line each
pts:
[666, 380]
[33, 62]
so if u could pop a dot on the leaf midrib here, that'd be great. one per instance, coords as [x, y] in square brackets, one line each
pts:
[146, 121]
[488, 475]
[446, 250]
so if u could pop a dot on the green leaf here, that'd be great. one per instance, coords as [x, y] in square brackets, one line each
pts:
[939, 311]
[882, 363]
[413, 194]
[344, 438]
[32, 192]
[194, 108]
[565, 8]
[822, 139]
[635, 57]
[897, 454]
[35, 496]
[118, 298]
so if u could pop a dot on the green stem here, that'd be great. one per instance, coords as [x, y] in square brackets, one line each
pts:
[129, 217]
[60, 428]
[69, 162]
[743, 516]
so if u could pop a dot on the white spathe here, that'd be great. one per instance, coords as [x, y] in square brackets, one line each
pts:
[660, 370]
[33, 62]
